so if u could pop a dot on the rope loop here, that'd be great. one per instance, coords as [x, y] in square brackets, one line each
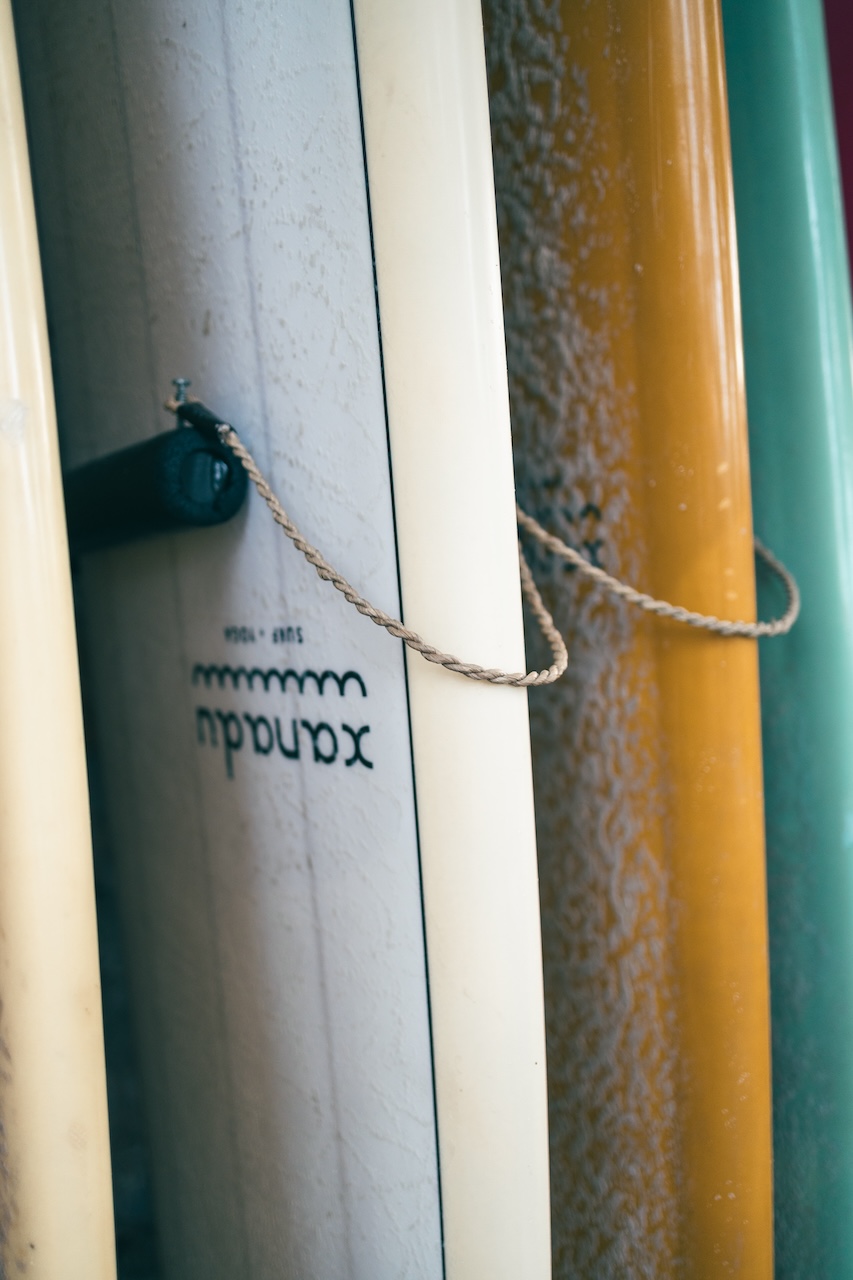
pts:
[662, 608]
[493, 675]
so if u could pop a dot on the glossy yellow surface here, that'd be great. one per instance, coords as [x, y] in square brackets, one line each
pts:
[620, 280]
[699, 528]
[56, 1216]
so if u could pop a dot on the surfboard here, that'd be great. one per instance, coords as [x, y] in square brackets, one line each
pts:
[326, 853]
[55, 1187]
[798, 338]
[623, 337]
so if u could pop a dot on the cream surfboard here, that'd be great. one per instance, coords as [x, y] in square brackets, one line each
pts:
[55, 1188]
[326, 851]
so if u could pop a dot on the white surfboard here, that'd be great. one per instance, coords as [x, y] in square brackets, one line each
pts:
[327, 852]
[55, 1188]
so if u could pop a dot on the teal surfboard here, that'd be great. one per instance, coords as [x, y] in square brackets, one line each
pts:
[797, 339]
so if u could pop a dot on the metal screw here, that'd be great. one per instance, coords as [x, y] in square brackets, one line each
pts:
[180, 385]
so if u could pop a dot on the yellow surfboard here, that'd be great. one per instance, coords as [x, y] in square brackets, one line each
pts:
[619, 269]
[55, 1188]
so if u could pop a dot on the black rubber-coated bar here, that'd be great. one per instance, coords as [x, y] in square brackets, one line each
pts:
[182, 478]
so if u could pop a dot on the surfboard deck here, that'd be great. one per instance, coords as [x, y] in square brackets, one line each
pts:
[327, 854]
[798, 338]
[624, 347]
[55, 1190]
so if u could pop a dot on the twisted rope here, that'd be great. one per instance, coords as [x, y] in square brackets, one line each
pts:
[472, 670]
[493, 675]
[662, 608]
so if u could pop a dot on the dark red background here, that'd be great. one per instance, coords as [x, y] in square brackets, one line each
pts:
[839, 34]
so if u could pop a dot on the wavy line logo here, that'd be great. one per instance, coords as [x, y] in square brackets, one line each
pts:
[223, 675]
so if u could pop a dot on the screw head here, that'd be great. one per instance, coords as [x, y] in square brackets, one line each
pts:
[180, 385]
